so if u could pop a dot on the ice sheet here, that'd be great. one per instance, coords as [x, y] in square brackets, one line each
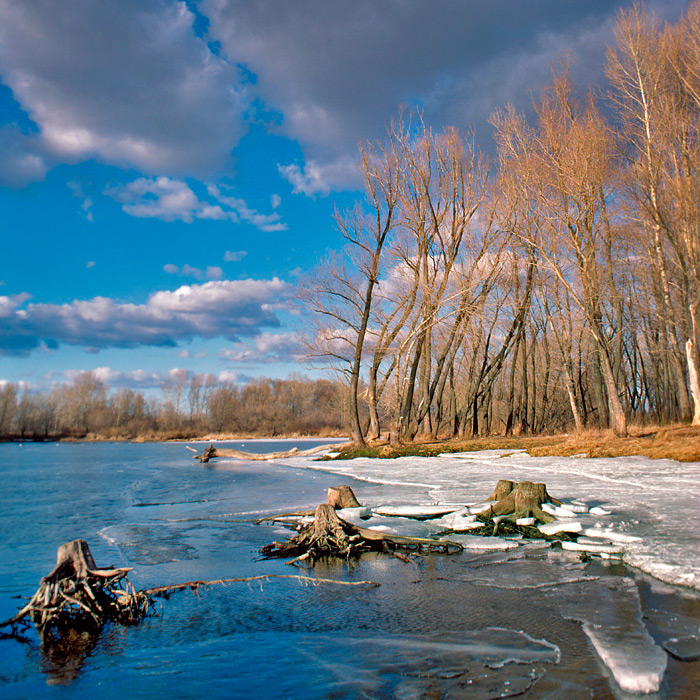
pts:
[636, 499]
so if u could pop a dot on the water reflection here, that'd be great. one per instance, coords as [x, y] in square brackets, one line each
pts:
[63, 656]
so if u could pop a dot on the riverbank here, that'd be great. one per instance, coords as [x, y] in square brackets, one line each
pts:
[680, 442]
[677, 442]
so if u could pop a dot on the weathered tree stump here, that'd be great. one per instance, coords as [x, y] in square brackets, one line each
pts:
[503, 488]
[342, 497]
[77, 594]
[73, 560]
[328, 535]
[521, 500]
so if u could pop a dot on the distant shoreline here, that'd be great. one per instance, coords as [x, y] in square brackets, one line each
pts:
[678, 442]
[225, 437]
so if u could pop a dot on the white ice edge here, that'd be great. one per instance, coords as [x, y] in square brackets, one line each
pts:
[640, 674]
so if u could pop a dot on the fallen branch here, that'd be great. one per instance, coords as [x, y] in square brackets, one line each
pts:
[211, 452]
[194, 585]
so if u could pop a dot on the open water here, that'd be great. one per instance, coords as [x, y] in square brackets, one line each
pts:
[476, 625]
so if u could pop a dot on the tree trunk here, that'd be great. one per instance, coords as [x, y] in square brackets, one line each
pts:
[693, 377]
[618, 421]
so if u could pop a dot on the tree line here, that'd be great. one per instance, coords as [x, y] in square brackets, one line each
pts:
[555, 287]
[190, 406]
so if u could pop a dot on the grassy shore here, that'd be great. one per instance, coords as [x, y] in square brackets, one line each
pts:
[679, 442]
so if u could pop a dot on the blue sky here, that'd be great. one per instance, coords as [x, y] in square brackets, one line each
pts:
[169, 170]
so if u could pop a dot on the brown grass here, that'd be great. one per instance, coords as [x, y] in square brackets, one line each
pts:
[679, 442]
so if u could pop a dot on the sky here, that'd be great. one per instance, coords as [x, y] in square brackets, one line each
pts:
[169, 169]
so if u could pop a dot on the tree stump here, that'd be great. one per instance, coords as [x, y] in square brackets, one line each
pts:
[328, 530]
[77, 594]
[522, 501]
[73, 560]
[342, 497]
[503, 488]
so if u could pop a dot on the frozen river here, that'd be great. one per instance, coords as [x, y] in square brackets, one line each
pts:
[502, 619]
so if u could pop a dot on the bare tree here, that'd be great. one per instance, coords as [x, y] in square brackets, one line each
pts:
[343, 299]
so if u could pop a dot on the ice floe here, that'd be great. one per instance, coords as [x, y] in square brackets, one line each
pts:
[611, 615]
[560, 526]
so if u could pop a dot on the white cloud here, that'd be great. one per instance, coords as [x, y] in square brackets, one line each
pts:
[264, 222]
[267, 348]
[228, 309]
[10, 303]
[316, 178]
[234, 255]
[211, 272]
[188, 355]
[233, 377]
[170, 199]
[164, 198]
[122, 81]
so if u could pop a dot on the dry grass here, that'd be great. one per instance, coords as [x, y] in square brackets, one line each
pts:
[679, 442]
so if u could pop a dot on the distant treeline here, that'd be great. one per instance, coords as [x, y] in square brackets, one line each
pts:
[190, 406]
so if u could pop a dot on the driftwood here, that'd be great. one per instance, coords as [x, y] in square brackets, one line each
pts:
[211, 452]
[79, 595]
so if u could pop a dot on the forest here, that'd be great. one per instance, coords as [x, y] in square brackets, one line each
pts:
[189, 406]
[554, 288]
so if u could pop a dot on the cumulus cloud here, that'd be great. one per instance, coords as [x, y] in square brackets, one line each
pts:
[233, 377]
[164, 198]
[124, 81]
[268, 348]
[227, 309]
[212, 272]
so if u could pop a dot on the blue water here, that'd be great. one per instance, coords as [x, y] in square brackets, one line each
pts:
[425, 632]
